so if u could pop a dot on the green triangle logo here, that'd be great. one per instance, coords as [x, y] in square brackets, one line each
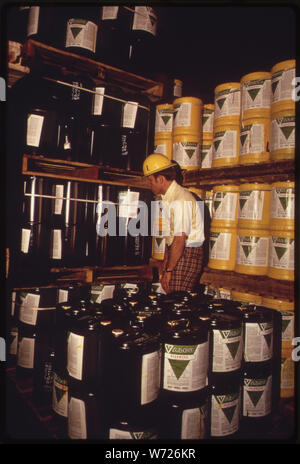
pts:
[203, 155]
[178, 367]
[75, 31]
[216, 204]
[285, 324]
[255, 396]
[284, 202]
[175, 113]
[221, 102]
[159, 241]
[274, 86]
[247, 250]
[229, 412]
[253, 93]
[212, 243]
[59, 393]
[242, 203]
[280, 251]
[204, 119]
[287, 130]
[233, 348]
[190, 153]
[216, 144]
[243, 138]
[166, 119]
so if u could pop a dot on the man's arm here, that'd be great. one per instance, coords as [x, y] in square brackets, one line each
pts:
[174, 254]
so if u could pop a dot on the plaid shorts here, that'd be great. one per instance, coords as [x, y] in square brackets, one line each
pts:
[186, 274]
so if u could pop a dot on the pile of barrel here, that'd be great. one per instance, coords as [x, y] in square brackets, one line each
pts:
[142, 365]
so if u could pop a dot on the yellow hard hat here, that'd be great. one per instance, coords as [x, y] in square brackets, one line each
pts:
[156, 163]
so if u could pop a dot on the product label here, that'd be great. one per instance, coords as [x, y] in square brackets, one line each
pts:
[163, 120]
[60, 396]
[25, 240]
[26, 353]
[182, 114]
[77, 419]
[144, 19]
[194, 423]
[128, 204]
[13, 347]
[162, 149]
[251, 205]
[252, 251]
[252, 139]
[227, 350]
[283, 203]
[225, 144]
[33, 20]
[257, 397]
[208, 120]
[281, 254]
[227, 103]
[100, 293]
[220, 245]
[185, 367]
[282, 133]
[56, 244]
[98, 101]
[150, 382]
[224, 205]
[288, 326]
[75, 355]
[129, 114]
[287, 378]
[28, 308]
[258, 345]
[256, 94]
[81, 33]
[159, 245]
[206, 155]
[117, 434]
[282, 87]
[34, 129]
[187, 153]
[224, 414]
[58, 202]
[109, 12]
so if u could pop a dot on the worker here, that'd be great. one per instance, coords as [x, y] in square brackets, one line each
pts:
[183, 216]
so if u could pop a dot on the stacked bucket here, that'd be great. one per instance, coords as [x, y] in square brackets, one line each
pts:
[226, 124]
[207, 135]
[163, 129]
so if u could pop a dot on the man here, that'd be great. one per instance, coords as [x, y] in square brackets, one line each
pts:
[182, 263]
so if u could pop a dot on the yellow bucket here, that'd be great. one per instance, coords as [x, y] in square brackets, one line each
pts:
[225, 205]
[163, 120]
[281, 255]
[227, 102]
[283, 89]
[208, 120]
[226, 143]
[187, 116]
[187, 151]
[287, 310]
[246, 297]
[282, 141]
[222, 246]
[254, 140]
[252, 251]
[287, 379]
[163, 145]
[207, 151]
[254, 206]
[282, 214]
[256, 95]
[198, 191]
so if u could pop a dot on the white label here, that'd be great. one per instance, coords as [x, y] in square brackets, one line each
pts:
[251, 204]
[206, 155]
[187, 153]
[258, 341]
[77, 419]
[144, 19]
[75, 355]
[98, 101]
[256, 94]
[26, 353]
[227, 350]
[288, 326]
[109, 12]
[28, 308]
[128, 204]
[63, 295]
[257, 397]
[159, 245]
[129, 114]
[208, 121]
[252, 139]
[13, 347]
[150, 382]
[225, 144]
[34, 129]
[252, 251]
[193, 425]
[282, 133]
[227, 103]
[100, 293]
[185, 367]
[163, 120]
[58, 202]
[81, 33]
[224, 414]
[25, 240]
[282, 252]
[224, 205]
[282, 87]
[56, 241]
[33, 20]
[117, 434]
[60, 396]
[283, 203]
[162, 149]
[182, 114]
[220, 245]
